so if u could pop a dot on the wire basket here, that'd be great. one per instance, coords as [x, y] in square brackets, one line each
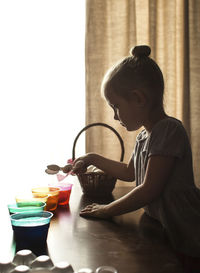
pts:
[97, 183]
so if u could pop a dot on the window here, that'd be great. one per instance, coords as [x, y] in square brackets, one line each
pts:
[42, 83]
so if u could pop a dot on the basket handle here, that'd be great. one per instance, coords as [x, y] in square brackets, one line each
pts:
[99, 124]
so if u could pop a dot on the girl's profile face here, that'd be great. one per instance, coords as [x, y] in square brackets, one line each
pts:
[127, 112]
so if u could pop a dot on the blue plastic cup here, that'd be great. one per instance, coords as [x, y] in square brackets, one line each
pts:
[31, 228]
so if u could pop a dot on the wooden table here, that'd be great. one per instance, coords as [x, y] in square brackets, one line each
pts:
[132, 243]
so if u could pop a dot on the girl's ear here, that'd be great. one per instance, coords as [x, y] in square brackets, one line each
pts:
[139, 97]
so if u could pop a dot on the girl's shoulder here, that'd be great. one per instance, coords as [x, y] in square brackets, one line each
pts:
[170, 120]
[169, 125]
[164, 127]
[168, 137]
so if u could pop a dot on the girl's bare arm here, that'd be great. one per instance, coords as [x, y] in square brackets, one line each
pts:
[114, 168]
[158, 171]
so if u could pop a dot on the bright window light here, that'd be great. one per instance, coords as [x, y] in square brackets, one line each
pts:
[42, 84]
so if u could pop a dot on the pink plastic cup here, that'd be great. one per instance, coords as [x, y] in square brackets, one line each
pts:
[64, 194]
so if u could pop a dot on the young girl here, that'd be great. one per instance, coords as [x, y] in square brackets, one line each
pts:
[161, 163]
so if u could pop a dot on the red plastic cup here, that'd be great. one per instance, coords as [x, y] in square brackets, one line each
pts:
[64, 194]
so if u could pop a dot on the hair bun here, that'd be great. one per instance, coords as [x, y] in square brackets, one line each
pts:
[141, 51]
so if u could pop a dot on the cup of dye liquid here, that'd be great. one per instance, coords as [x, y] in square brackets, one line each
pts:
[26, 206]
[51, 192]
[64, 194]
[31, 228]
[29, 198]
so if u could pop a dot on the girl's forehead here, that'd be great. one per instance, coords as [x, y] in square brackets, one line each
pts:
[107, 92]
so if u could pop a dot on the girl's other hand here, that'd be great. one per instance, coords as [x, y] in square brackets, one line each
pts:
[95, 210]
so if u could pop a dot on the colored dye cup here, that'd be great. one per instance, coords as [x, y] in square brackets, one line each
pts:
[26, 206]
[53, 194]
[64, 194]
[30, 198]
[30, 228]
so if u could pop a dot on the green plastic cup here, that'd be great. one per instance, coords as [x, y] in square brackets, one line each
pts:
[26, 206]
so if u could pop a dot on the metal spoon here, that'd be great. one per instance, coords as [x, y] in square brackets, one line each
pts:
[53, 169]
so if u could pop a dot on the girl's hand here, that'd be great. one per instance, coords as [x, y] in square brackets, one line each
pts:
[95, 210]
[67, 168]
[80, 164]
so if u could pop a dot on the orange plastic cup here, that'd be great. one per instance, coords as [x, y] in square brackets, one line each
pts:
[53, 195]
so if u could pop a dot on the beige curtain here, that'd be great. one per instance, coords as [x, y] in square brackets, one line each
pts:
[172, 29]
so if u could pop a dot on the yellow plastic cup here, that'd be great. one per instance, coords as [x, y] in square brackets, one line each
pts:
[51, 192]
[29, 198]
